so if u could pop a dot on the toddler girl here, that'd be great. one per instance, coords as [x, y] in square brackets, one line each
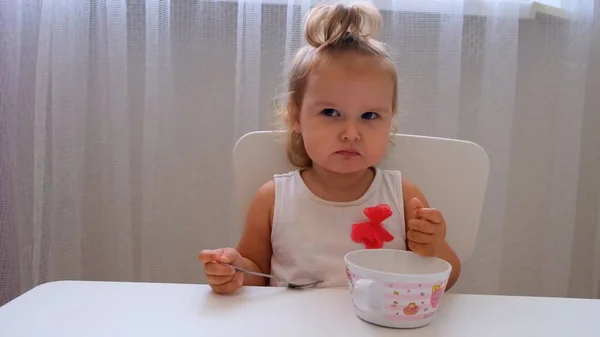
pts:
[339, 115]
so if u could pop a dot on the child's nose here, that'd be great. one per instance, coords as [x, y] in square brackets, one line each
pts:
[351, 132]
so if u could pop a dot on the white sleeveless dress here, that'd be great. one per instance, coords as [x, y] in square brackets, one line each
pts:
[310, 236]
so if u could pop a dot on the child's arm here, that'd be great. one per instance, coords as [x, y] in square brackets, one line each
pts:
[255, 244]
[253, 252]
[428, 233]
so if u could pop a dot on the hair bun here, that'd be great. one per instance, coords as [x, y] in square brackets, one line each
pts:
[332, 24]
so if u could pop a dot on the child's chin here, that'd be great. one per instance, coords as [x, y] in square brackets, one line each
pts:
[347, 169]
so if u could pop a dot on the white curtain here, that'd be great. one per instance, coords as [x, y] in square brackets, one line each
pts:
[118, 117]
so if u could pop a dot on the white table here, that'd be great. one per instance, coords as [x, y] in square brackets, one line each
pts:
[147, 309]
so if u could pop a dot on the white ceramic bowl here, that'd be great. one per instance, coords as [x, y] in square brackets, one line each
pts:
[396, 288]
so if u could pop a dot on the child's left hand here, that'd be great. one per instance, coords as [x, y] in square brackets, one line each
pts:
[426, 229]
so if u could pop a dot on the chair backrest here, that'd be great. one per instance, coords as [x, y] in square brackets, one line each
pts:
[452, 174]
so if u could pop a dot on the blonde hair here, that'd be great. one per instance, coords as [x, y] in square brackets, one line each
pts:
[329, 30]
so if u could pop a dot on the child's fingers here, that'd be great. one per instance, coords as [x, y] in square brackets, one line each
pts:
[223, 255]
[238, 278]
[422, 249]
[430, 214]
[218, 279]
[416, 247]
[209, 255]
[218, 269]
[229, 255]
[421, 225]
[414, 205]
[232, 285]
[419, 237]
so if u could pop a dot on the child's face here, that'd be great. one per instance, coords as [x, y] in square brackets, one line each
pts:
[346, 113]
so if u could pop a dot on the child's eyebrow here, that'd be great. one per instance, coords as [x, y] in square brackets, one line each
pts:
[372, 109]
[380, 109]
[323, 103]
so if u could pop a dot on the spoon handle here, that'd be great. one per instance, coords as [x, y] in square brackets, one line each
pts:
[254, 273]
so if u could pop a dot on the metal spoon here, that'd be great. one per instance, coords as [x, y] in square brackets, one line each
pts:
[289, 284]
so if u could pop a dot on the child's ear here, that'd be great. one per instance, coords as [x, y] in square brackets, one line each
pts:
[294, 113]
[296, 127]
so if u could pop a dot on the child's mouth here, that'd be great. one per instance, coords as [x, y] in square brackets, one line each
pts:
[347, 153]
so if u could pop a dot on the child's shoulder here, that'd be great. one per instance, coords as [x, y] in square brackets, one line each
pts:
[284, 180]
[409, 189]
[266, 191]
[262, 204]
[285, 175]
[264, 198]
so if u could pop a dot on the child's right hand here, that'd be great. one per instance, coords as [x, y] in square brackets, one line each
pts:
[221, 277]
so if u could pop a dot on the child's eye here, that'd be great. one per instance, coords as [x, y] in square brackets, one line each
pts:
[330, 112]
[369, 115]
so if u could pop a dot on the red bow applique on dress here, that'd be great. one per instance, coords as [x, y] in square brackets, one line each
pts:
[372, 233]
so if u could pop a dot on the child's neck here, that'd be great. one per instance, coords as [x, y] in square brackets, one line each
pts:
[337, 187]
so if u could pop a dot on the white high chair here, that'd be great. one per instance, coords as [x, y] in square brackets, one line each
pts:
[452, 174]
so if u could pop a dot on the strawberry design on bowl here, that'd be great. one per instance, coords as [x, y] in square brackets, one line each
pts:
[411, 309]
